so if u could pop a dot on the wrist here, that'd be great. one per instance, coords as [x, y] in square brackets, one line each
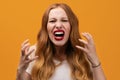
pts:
[95, 61]
[96, 65]
[20, 74]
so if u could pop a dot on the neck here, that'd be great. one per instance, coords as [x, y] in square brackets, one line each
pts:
[60, 53]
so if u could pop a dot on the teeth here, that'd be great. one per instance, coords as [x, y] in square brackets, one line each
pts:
[58, 32]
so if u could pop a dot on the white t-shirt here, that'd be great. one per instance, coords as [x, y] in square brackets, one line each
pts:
[62, 72]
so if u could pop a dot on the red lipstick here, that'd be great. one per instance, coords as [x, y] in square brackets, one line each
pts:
[59, 35]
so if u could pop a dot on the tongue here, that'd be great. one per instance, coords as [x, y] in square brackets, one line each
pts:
[59, 36]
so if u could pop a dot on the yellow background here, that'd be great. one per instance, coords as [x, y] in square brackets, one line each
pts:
[21, 19]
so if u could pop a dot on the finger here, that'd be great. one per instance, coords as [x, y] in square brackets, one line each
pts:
[83, 41]
[88, 37]
[89, 34]
[30, 60]
[29, 53]
[26, 41]
[81, 48]
[25, 49]
[36, 57]
[91, 38]
[25, 46]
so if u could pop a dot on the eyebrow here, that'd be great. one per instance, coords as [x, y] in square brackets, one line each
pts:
[61, 18]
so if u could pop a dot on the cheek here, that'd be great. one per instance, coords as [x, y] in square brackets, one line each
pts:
[49, 30]
[68, 29]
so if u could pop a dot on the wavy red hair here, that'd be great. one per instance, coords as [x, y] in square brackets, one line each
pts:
[44, 67]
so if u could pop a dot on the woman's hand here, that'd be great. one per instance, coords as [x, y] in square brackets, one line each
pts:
[89, 49]
[24, 58]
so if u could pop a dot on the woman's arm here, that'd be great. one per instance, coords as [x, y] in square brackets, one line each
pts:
[90, 51]
[23, 76]
[24, 61]
[98, 73]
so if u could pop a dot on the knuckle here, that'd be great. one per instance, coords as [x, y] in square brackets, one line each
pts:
[22, 49]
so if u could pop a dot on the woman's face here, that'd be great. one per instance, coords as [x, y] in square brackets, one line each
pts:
[58, 26]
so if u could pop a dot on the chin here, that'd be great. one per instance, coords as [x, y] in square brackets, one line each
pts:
[59, 44]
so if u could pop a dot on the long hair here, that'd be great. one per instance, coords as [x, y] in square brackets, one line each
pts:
[44, 66]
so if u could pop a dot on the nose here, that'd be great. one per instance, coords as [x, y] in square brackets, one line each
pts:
[58, 25]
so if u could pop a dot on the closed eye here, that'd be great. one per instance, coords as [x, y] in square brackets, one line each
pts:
[64, 20]
[52, 21]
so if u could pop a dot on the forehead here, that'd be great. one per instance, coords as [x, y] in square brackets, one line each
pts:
[57, 12]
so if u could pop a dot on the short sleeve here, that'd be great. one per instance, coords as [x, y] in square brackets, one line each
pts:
[30, 66]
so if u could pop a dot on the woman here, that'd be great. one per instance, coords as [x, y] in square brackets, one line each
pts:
[60, 53]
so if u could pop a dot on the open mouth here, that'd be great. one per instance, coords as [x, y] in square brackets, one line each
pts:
[59, 34]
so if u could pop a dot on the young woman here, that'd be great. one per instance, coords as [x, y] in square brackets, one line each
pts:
[60, 53]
